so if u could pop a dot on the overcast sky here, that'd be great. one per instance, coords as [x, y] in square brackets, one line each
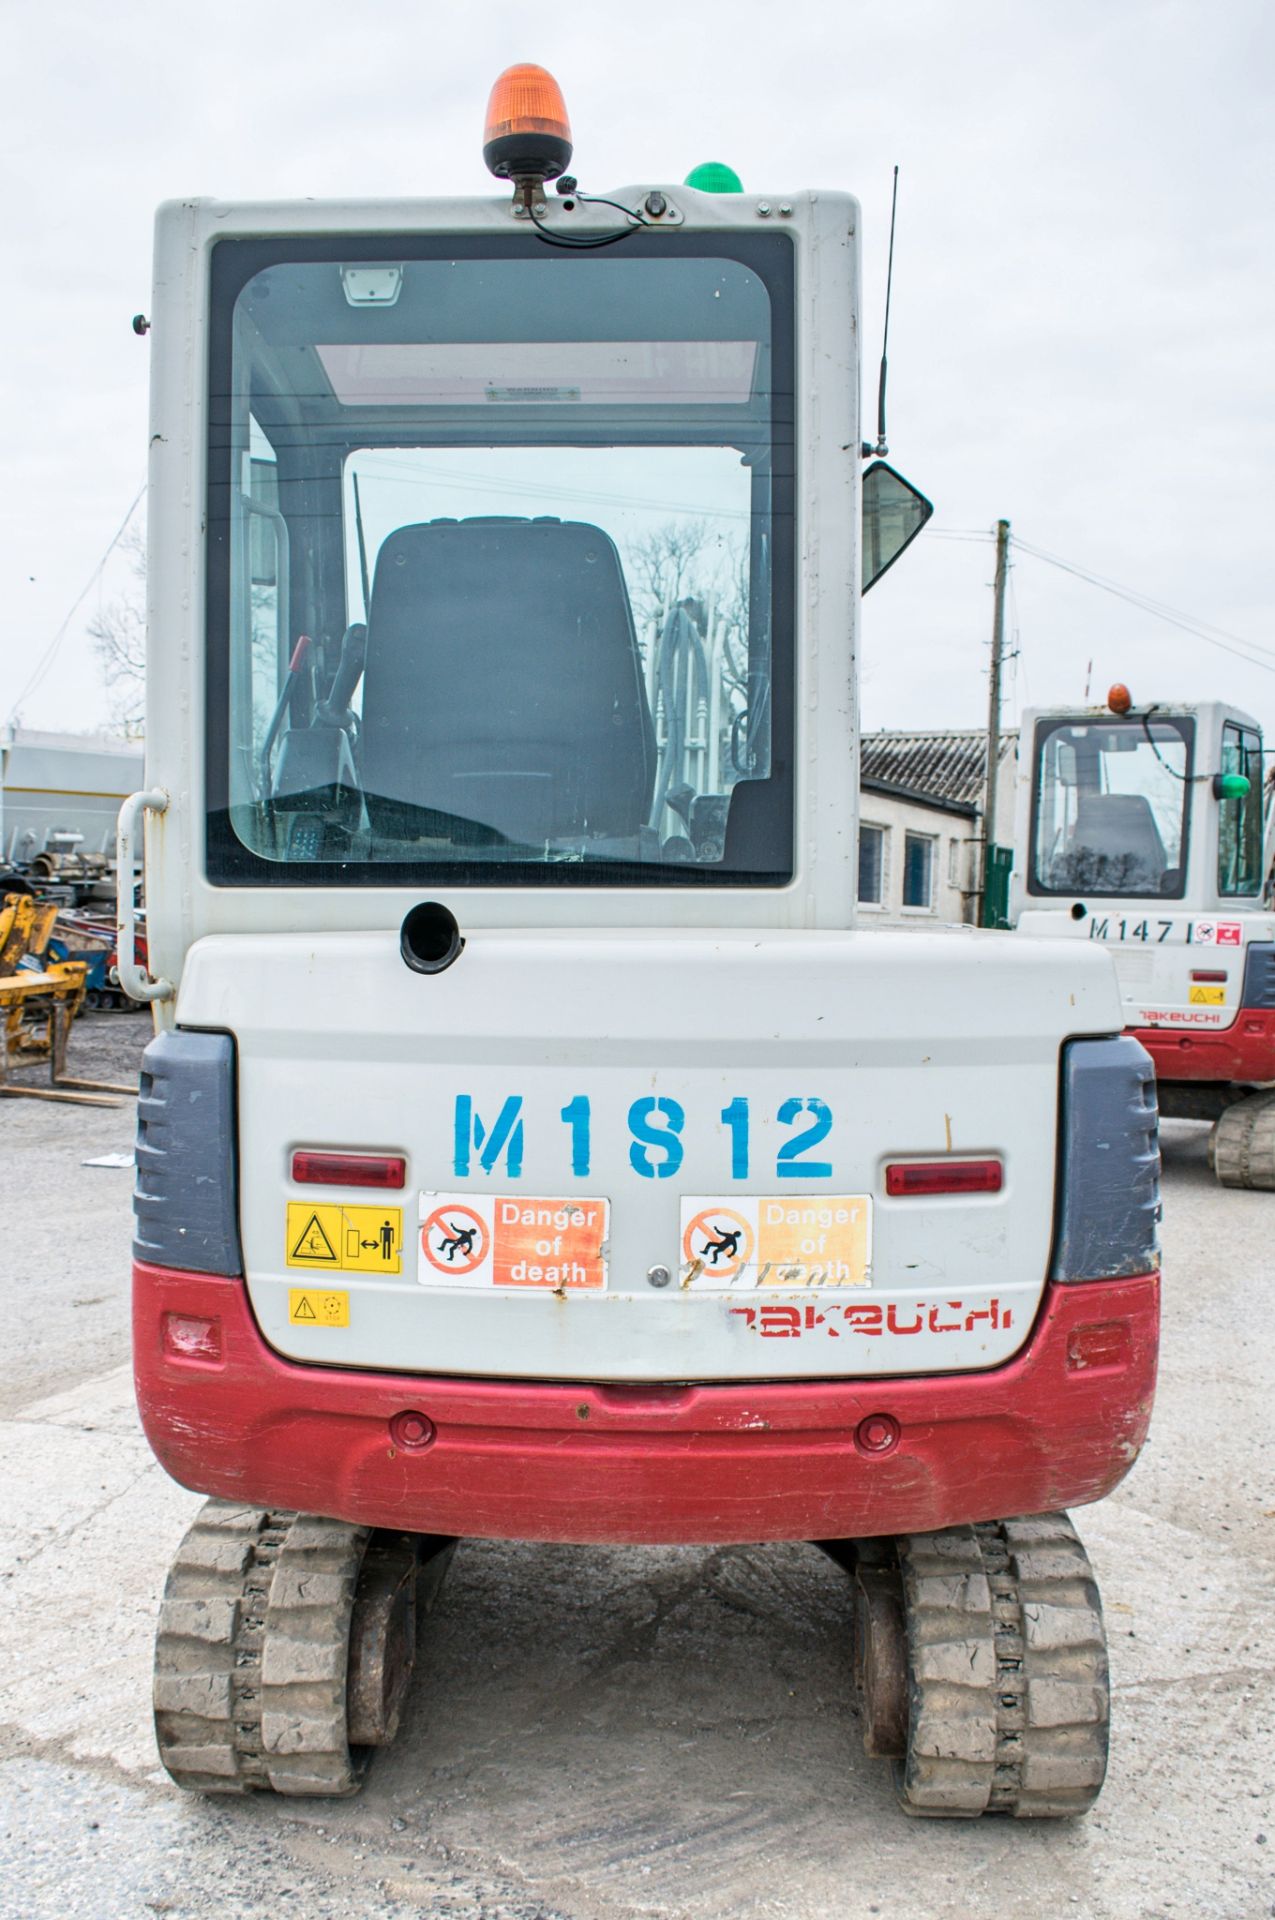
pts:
[1082, 328]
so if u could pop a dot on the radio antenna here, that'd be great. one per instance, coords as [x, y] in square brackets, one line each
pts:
[881, 449]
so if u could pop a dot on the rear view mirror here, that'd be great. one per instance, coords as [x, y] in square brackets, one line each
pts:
[893, 514]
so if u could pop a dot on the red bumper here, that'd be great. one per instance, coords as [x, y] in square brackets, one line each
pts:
[1242, 1053]
[1056, 1426]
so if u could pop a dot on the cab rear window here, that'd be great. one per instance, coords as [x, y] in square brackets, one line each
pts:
[500, 564]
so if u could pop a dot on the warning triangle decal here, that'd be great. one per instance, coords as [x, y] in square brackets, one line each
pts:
[313, 1242]
[304, 1310]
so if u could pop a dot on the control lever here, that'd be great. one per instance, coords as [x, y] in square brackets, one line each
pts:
[335, 710]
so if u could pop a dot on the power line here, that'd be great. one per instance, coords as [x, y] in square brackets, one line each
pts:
[402, 473]
[1246, 650]
[1252, 652]
[50, 653]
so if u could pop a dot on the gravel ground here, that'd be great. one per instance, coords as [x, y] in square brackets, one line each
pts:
[102, 1046]
[604, 1734]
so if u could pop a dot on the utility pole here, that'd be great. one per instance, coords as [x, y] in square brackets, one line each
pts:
[994, 704]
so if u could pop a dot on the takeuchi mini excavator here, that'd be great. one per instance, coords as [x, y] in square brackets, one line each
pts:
[1140, 830]
[531, 1146]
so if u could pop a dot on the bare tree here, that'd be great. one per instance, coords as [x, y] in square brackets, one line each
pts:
[662, 569]
[690, 587]
[684, 560]
[734, 610]
[118, 632]
[663, 557]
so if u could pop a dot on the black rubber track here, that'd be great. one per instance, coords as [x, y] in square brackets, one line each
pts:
[252, 1651]
[1008, 1704]
[1242, 1143]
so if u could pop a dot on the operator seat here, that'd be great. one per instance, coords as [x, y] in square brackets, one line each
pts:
[1116, 840]
[503, 684]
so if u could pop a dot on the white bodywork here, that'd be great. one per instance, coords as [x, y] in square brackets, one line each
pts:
[932, 1043]
[918, 1044]
[1158, 946]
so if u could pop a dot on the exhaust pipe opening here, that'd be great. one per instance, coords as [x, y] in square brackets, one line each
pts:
[430, 939]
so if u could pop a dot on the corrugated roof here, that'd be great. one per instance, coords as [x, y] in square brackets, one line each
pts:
[949, 766]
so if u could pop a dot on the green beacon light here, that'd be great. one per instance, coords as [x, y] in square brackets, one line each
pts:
[714, 177]
[1231, 786]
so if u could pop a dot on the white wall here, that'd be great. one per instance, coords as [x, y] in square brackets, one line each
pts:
[952, 860]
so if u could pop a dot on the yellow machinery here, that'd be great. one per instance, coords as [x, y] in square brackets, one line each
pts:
[38, 1002]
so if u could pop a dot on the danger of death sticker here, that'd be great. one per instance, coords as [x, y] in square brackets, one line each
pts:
[344, 1239]
[506, 1240]
[780, 1240]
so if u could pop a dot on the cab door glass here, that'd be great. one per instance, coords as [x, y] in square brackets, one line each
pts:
[1239, 833]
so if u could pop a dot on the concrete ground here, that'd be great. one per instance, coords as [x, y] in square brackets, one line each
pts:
[601, 1735]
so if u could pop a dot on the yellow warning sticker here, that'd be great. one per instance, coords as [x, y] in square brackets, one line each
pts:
[344, 1239]
[776, 1240]
[316, 1307]
[1207, 996]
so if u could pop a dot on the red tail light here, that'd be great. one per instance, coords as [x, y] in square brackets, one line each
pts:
[349, 1169]
[908, 1177]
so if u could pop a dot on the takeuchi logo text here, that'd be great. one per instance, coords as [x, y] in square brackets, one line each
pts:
[896, 1319]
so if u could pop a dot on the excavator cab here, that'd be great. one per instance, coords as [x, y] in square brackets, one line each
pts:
[1141, 830]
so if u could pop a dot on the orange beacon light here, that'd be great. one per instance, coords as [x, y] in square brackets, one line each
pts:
[1119, 699]
[527, 135]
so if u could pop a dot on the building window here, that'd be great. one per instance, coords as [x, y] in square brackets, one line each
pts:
[918, 871]
[872, 866]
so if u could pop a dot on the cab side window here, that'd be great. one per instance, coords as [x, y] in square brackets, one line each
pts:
[1239, 843]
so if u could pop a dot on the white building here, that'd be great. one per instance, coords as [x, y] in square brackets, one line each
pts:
[62, 783]
[921, 823]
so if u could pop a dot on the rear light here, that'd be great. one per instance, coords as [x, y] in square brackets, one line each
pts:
[1216, 975]
[189, 1336]
[1107, 1346]
[906, 1177]
[349, 1169]
[1108, 1163]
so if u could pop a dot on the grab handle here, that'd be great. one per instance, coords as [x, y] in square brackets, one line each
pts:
[136, 984]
